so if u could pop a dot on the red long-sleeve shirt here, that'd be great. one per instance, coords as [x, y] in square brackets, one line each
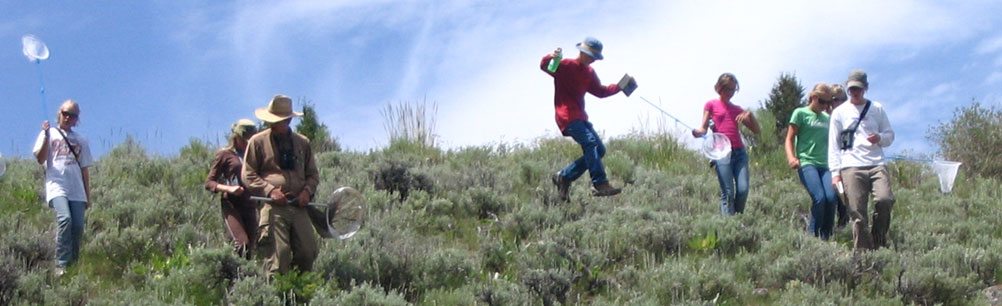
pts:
[570, 83]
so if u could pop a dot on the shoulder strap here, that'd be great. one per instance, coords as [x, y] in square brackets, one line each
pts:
[861, 116]
[70, 145]
[865, 109]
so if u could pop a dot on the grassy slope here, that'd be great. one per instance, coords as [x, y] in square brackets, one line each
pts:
[488, 229]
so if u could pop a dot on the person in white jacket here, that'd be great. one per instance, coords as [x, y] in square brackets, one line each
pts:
[856, 158]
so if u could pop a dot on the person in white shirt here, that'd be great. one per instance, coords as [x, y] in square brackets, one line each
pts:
[856, 158]
[65, 154]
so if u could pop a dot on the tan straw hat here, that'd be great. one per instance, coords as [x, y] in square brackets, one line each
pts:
[279, 108]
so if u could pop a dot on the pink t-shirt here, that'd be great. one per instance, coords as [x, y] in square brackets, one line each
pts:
[724, 118]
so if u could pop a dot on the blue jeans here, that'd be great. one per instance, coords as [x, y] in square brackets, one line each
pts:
[69, 229]
[733, 177]
[818, 182]
[593, 150]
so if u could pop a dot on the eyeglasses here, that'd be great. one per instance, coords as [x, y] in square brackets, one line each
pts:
[69, 114]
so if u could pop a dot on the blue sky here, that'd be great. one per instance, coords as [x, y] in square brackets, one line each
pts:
[169, 71]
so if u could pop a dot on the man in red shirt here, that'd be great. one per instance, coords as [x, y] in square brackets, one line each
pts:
[571, 80]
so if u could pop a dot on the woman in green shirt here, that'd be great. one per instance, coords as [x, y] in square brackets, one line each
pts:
[807, 152]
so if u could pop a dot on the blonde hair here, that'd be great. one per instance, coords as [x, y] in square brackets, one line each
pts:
[69, 103]
[822, 92]
[838, 94]
[725, 79]
[243, 129]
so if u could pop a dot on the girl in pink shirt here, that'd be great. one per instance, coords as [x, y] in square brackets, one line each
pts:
[732, 171]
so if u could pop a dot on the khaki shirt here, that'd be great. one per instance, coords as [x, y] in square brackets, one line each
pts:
[262, 173]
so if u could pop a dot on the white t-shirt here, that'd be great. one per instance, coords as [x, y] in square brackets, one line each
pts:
[63, 173]
[863, 153]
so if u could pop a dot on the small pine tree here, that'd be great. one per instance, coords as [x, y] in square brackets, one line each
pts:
[313, 129]
[786, 96]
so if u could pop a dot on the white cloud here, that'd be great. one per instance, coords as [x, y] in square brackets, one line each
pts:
[993, 78]
[942, 89]
[989, 46]
[676, 52]
[479, 60]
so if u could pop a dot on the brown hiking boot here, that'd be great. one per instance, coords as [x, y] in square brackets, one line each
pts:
[563, 186]
[604, 190]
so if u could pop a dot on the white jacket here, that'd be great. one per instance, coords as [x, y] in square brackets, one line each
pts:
[863, 153]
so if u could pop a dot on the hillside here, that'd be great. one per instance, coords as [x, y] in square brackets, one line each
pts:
[482, 225]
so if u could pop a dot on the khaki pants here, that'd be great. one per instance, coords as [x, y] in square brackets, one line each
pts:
[859, 183]
[287, 238]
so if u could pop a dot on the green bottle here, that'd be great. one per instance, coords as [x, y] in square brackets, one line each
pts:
[555, 61]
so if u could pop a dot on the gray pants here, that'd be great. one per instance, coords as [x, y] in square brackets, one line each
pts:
[859, 183]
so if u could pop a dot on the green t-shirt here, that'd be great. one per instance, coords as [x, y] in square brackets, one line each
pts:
[812, 136]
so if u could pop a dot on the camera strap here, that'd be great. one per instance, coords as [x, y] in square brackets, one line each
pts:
[862, 115]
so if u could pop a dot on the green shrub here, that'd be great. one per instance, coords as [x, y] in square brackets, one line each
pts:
[530, 219]
[482, 203]
[619, 165]
[445, 296]
[253, 290]
[948, 274]
[797, 293]
[502, 292]
[973, 136]
[10, 274]
[492, 232]
[497, 254]
[29, 247]
[117, 248]
[704, 279]
[397, 177]
[550, 285]
[733, 234]
[368, 295]
[75, 291]
[659, 150]
[296, 286]
[444, 268]
[384, 257]
[812, 262]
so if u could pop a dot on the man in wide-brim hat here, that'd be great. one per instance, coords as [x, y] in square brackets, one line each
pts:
[279, 164]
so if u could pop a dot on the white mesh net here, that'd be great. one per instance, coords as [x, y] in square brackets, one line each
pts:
[947, 173]
[716, 146]
[34, 49]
